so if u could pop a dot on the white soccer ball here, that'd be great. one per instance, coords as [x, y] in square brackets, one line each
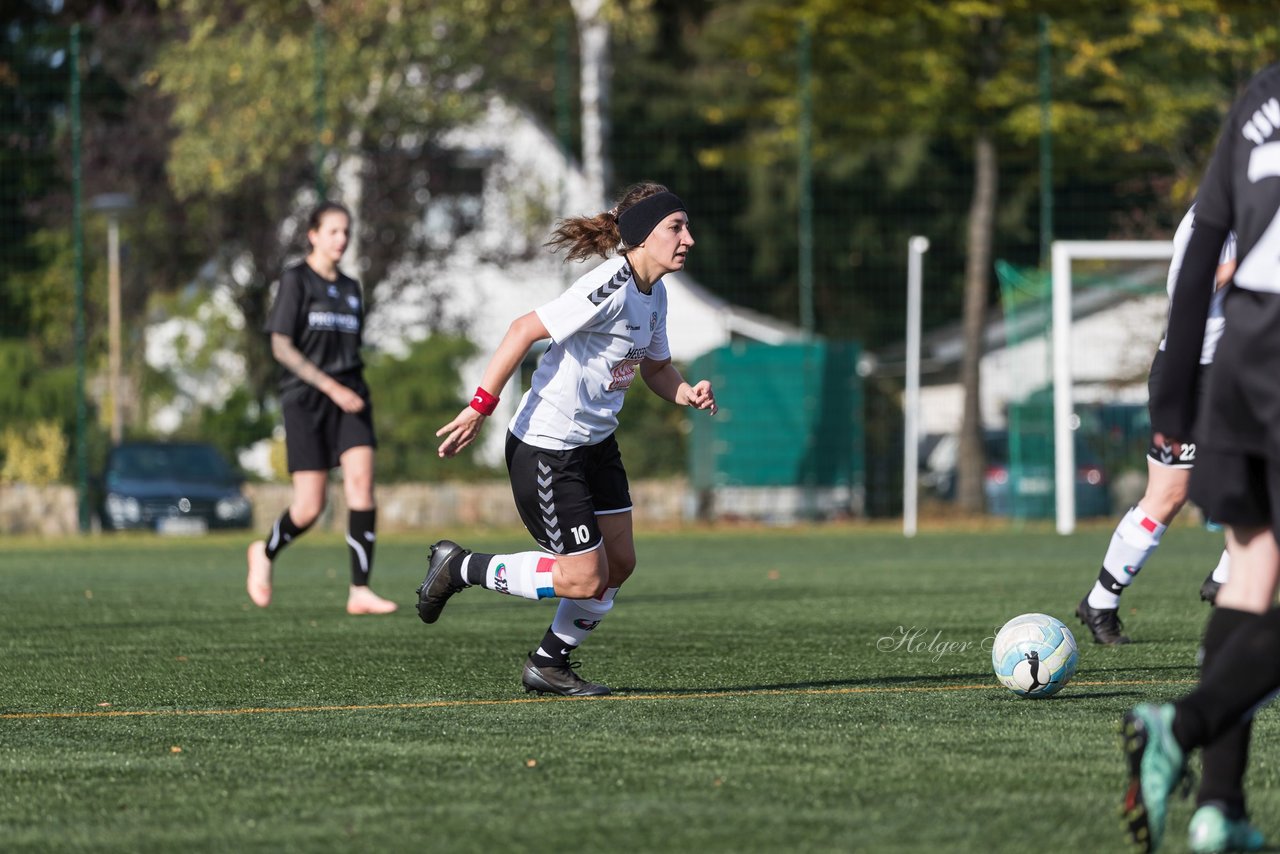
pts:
[1034, 655]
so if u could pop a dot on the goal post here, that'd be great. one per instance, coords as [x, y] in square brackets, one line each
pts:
[1064, 254]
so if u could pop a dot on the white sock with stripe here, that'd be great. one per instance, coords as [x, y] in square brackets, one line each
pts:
[577, 618]
[524, 574]
[1134, 540]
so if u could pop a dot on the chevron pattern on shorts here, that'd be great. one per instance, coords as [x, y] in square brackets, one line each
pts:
[606, 290]
[550, 521]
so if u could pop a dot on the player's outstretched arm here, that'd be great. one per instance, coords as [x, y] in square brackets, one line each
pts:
[665, 381]
[461, 431]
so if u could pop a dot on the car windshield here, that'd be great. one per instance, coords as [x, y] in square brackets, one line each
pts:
[182, 462]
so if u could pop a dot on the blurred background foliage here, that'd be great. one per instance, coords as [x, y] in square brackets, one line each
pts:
[224, 121]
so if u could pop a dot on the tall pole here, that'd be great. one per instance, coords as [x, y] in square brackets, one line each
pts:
[318, 95]
[805, 178]
[113, 327]
[1046, 145]
[593, 40]
[82, 453]
[916, 247]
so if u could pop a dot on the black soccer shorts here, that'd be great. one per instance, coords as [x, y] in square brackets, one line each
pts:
[317, 432]
[560, 493]
[1241, 490]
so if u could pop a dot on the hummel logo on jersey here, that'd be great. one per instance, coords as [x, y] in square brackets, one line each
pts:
[606, 290]
[631, 328]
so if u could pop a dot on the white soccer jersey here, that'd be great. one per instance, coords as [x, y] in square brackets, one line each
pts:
[1214, 325]
[601, 328]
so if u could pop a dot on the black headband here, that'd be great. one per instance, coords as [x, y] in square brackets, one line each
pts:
[637, 221]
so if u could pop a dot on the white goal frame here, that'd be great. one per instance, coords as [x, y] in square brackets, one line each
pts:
[1064, 252]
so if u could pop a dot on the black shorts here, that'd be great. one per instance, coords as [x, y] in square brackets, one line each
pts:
[560, 493]
[317, 432]
[1238, 426]
[1241, 412]
[1242, 490]
[1163, 454]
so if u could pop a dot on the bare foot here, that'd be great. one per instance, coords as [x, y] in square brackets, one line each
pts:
[362, 600]
[259, 581]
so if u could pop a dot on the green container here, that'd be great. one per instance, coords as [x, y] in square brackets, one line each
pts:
[790, 415]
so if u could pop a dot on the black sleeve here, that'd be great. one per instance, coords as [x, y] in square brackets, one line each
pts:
[1173, 400]
[287, 308]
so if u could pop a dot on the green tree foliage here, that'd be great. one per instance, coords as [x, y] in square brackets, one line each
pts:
[894, 82]
[270, 98]
[412, 398]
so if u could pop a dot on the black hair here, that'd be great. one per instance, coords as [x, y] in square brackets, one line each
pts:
[325, 207]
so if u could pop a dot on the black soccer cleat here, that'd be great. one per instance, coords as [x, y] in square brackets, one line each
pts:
[1209, 590]
[559, 679]
[1103, 622]
[439, 585]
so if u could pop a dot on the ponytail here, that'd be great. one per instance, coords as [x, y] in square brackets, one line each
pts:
[599, 235]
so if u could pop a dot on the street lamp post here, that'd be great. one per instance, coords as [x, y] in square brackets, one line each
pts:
[113, 205]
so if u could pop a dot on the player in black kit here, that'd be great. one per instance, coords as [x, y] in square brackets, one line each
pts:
[1237, 482]
[315, 325]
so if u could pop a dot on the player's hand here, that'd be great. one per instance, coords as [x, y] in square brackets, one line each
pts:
[700, 396]
[459, 432]
[346, 399]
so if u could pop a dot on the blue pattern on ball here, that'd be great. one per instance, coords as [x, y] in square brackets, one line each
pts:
[1034, 655]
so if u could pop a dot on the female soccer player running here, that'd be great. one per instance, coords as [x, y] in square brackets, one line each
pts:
[566, 471]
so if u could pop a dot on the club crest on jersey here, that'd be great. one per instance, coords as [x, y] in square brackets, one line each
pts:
[500, 578]
[353, 301]
[333, 291]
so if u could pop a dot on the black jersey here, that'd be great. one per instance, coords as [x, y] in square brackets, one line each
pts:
[1241, 189]
[324, 320]
[1241, 192]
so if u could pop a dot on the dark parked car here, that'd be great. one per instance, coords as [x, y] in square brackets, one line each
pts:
[172, 488]
[1026, 490]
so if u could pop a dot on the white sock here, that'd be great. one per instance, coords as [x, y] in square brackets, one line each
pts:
[577, 618]
[524, 574]
[1223, 569]
[1135, 538]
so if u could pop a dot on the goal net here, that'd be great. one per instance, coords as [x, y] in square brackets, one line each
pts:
[1079, 344]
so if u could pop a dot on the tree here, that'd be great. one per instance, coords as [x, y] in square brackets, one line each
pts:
[271, 99]
[1136, 78]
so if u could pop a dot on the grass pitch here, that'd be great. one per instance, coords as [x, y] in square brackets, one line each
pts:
[807, 690]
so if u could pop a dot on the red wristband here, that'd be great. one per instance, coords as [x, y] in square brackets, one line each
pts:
[483, 402]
